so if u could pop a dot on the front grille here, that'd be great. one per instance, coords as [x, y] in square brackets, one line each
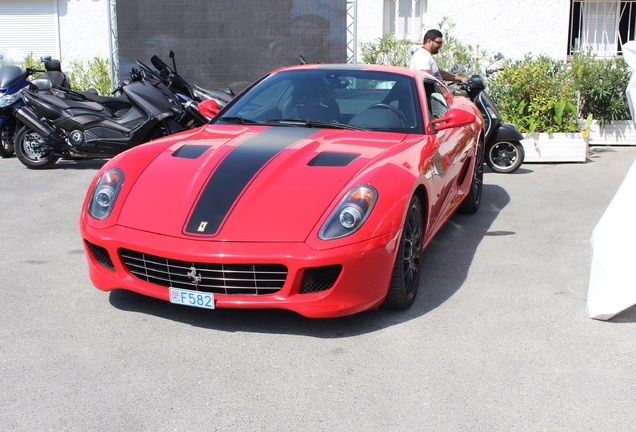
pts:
[101, 255]
[237, 279]
[318, 279]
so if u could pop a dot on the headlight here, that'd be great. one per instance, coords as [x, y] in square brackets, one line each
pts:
[8, 99]
[350, 214]
[105, 193]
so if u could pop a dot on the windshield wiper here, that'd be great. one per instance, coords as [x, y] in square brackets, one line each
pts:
[314, 123]
[238, 120]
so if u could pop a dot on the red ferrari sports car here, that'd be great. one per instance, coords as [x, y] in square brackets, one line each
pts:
[315, 190]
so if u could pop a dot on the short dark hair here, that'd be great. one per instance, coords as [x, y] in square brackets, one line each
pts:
[432, 35]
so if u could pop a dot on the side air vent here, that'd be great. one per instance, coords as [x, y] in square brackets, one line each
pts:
[101, 255]
[317, 279]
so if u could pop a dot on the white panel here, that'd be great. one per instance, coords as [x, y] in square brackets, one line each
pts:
[28, 26]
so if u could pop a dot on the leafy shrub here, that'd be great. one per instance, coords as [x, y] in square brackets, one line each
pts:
[536, 95]
[388, 50]
[601, 85]
[31, 61]
[92, 74]
[470, 58]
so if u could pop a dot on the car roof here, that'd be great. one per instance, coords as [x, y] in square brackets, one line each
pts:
[358, 66]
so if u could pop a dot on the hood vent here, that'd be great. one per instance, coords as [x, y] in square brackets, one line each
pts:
[333, 159]
[190, 151]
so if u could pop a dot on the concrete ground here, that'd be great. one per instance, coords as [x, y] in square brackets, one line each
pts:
[497, 339]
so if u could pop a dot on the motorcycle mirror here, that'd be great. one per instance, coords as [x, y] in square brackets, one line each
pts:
[45, 58]
[455, 68]
[208, 108]
[498, 56]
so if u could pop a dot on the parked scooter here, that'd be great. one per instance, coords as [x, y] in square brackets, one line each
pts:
[190, 116]
[12, 80]
[180, 86]
[56, 127]
[504, 152]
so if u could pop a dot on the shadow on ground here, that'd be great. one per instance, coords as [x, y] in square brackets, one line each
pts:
[446, 262]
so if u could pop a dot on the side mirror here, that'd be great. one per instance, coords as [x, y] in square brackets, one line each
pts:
[453, 118]
[208, 108]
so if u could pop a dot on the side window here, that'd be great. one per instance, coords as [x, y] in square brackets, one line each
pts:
[439, 106]
[437, 103]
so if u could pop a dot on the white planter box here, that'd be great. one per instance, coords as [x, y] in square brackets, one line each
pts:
[557, 147]
[620, 132]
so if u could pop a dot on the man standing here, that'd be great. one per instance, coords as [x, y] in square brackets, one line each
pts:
[422, 59]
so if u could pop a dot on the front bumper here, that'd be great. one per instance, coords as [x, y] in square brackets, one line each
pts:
[361, 283]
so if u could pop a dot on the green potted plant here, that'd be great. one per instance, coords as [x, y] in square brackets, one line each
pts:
[601, 85]
[538, 95]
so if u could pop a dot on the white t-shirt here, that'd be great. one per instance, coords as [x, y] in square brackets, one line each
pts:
[423, 60]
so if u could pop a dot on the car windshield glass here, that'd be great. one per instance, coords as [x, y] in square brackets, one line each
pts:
[353, 99]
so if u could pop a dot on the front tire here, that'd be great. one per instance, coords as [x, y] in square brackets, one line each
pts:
[473, 198]
[6, 141]
[505, 156]
[32, 150]
[408, 261]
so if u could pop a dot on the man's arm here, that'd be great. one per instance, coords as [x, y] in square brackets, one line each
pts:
[446, 76]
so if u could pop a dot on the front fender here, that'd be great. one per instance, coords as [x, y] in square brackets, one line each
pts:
[6, 120]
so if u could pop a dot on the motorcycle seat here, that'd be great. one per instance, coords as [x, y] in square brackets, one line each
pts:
[72, 104]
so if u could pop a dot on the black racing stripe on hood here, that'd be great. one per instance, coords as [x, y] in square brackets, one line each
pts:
[234, 173]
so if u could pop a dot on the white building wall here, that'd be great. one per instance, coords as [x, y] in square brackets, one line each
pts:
[512, 27]
[84, 30]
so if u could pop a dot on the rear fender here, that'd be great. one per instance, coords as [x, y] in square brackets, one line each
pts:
[507, 132]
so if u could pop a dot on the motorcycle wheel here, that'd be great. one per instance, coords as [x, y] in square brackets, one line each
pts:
[6, 141]
[32, 151]
[505, 156]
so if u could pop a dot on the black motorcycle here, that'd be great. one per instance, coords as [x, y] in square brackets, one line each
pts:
[178, 85]
[57, 127]
[12, 80]
[504, 152]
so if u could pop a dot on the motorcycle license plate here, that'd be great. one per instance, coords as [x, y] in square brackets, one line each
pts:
[192, 298]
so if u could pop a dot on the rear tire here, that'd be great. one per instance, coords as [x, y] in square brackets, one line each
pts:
[408, 261]
[32, 151]
[505, 156]
[6, 141]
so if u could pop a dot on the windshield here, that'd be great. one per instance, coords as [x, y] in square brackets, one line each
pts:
[340, 98]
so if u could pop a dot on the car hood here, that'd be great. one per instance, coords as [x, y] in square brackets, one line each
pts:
[249, 183]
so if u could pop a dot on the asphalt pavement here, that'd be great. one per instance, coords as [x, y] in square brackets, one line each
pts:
[497, 339]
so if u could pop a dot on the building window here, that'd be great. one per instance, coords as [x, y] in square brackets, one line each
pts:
[403, 18]
[601, 26]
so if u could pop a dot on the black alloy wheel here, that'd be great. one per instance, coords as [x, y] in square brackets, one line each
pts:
[408, 262]
[473, 199]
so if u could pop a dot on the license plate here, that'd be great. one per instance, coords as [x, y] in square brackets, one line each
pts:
[192, 298]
